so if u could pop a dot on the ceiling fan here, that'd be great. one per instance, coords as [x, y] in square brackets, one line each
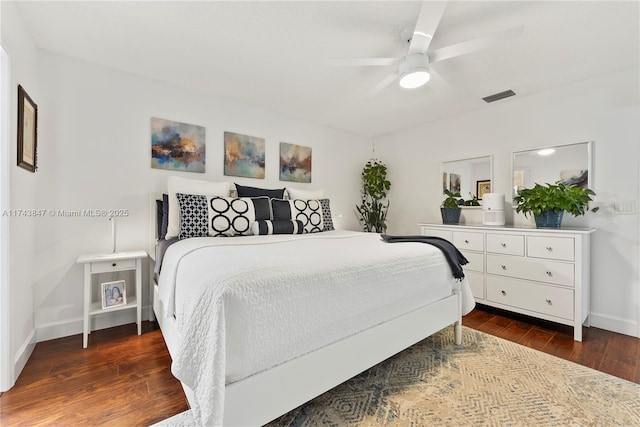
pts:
[414, 69]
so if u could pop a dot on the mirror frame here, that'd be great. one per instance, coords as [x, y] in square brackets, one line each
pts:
[590, 165]
[442, 171]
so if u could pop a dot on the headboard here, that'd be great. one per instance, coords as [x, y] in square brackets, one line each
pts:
[153, 225]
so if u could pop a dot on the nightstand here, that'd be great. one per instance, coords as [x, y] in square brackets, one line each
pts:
[108, 263]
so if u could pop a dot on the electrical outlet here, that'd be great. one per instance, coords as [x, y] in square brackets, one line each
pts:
[625, 207]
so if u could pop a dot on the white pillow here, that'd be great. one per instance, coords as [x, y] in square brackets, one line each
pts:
[176, 185]
[305, 194]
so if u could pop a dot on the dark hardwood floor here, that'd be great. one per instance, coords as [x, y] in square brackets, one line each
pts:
[120, 379]
[123, 379]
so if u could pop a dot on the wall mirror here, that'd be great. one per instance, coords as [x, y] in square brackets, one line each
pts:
[571, 164]
[470, 177]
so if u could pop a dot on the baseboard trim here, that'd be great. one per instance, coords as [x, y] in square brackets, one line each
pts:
[23, 354]
[68, 327]
[614, 324]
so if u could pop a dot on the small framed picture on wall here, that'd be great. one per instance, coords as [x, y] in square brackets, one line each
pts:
[483, 187]
[454, 182]
[27, 131]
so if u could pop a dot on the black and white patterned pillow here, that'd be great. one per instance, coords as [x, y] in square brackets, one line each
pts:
[326, 215]
[235, 216]
[279, 226]
[220, 216]
[194, 216]
[309, 212]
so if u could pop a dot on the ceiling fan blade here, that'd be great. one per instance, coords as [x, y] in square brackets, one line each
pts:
[428, 20]
[474, 45]
[439, 83]
[383, 84]
[360, 62]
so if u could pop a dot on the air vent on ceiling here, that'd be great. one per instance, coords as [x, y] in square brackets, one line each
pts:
[497, 96]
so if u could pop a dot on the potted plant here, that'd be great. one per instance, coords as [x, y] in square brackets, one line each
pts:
[471, 202]
[450, 208]
[373, 211]
[547, 203]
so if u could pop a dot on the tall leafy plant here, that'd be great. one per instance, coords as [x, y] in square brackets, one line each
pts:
[373, 209]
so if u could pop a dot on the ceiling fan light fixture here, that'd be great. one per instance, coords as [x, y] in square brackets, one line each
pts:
[414, 70]
[414, 78]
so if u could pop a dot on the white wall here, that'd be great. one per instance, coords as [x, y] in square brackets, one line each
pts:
[95, 152]
[24, 63]
[605, 110]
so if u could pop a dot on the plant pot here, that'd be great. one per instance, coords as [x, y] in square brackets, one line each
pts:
[450, 215]
[549, 219]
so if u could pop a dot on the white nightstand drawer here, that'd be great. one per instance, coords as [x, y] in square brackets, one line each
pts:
[508, 244]
[467, 240]
[115, 265]
[560, 248]
[476, 261]
[541, 270]
[444, 234]
[550, 300]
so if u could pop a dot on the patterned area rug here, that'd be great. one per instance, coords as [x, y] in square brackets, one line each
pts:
[485, 381]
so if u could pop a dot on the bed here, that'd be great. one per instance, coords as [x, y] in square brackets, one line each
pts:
[259, 324]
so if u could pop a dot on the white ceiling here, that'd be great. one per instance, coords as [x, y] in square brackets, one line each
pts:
[273, 54]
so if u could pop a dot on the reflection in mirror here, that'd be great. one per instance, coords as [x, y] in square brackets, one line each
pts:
[570, 164]
[470, 177]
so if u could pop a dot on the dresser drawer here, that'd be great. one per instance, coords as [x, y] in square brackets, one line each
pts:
[560, 248]
[468, 240]
[537, 297]
[540, 270]
[476, 283]
[508, 244]
[436, 232]
[476, 261]
[117, 265]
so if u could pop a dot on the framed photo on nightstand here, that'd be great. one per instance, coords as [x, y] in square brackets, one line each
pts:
[114, 294]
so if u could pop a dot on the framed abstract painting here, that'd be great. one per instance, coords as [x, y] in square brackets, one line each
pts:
[454, 182]
[295, 163]
[243, 155]
[177, 146]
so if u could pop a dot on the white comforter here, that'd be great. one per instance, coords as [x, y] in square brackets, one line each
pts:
[246, 304]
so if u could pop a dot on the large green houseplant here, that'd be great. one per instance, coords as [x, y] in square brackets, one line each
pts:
[547, 203]
[373, 209]
[450, 208]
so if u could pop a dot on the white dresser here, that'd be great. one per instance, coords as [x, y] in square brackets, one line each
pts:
[542, 273]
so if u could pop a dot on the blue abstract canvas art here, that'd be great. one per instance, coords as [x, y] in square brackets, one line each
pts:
[295, 163]
[177, 146]
[243, 155]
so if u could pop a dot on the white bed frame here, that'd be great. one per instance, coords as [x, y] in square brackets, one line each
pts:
[265, 396]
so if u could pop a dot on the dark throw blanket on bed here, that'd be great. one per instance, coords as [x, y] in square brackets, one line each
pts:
[454, 257]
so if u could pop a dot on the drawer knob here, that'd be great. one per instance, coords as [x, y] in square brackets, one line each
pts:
[504, 267]
[114, 264]
[466, 241]
[549, 301]
[549, 248]
[504, 245]
[549, 273]
[503, 292]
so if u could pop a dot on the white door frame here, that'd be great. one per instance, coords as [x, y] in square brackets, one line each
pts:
[6, 360]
